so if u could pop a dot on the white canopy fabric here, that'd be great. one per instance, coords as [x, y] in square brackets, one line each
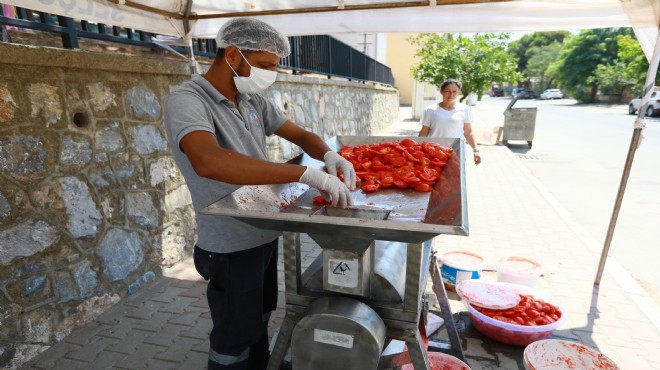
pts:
[305, 17]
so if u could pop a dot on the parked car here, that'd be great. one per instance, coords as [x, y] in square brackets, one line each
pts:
[652, 108]
[527, 94]
[552, 94]
[496, 92]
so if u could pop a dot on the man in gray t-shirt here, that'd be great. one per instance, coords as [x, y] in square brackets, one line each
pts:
[217, 126]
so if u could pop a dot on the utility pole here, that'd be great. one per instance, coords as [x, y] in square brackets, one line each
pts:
[364, 44]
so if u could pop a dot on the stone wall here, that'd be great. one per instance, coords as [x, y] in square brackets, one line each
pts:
[92, 205]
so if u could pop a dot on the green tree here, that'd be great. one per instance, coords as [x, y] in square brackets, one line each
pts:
[541, 58]
[529, 45]
[580, 58]
[476, 61]
[627, 73]
[630, 53]
[612, 79]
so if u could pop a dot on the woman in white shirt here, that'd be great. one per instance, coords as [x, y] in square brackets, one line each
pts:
[449, 118]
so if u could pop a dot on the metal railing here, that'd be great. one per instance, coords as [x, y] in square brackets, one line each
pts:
[326, 55]
[322, 55]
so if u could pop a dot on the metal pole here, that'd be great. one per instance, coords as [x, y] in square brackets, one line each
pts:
[619, 198]
[634, 144]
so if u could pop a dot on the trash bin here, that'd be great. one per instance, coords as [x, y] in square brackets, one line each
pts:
[519, 123]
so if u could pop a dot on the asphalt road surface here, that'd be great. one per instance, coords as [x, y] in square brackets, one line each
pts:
[578, 154]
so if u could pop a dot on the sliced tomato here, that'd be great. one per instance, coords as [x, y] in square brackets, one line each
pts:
[446, 149]
[320, 200]
[375, 152]
[398, 161]
[401, 184]
[410, 157]
[426, 177]
[424, 161]
[417, 154]
[532, 313]
[346, 149]
[349, 156]
[425, 146]
[361, 174]
[370, 188]
[423, 187]
[386, 181]
[408, 142]
[441, 155]
[438, 163]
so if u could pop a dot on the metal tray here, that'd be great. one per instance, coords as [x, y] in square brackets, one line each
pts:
[391, 214]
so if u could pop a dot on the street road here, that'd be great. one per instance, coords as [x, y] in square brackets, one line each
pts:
[578, 154]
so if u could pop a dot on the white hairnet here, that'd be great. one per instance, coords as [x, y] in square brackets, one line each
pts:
[253, 34]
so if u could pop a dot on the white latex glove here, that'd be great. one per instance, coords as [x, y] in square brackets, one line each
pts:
[329, 186]
[334, 162]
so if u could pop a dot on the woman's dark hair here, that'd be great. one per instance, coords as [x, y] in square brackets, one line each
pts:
[450, 81]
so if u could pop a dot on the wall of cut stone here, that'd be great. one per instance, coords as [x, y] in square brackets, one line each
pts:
[92, 205]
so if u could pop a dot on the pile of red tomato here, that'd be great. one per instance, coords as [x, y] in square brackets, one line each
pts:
[405, 164]
[529, 312]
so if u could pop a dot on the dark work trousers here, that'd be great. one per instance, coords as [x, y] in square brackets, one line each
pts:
[242, 292]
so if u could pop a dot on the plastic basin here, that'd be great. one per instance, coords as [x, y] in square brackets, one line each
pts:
[517, 335]
[441, 361]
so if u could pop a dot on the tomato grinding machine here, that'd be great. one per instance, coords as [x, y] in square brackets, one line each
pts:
[367, 286]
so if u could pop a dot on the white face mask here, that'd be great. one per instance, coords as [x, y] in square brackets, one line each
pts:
[258, 80]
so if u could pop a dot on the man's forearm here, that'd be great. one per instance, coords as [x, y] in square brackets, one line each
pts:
[313, 145]
[235, 168]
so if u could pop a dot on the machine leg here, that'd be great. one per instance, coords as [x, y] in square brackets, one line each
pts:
[282, 343]
[445, 311]
[417, 352]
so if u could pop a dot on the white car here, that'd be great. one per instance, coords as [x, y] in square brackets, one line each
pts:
[552, 94]
[652, 108]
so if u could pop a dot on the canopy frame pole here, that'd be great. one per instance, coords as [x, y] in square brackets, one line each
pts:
[187, 29]
[617, 204]
[634, 144]
[146, 8]
[409, 4]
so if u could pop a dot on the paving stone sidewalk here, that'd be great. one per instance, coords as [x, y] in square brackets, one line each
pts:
[166, 324]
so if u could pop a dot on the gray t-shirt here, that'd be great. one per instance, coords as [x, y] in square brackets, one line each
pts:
[196, 105]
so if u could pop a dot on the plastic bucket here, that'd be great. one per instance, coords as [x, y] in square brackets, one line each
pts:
[519, 270]
[458, 266]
